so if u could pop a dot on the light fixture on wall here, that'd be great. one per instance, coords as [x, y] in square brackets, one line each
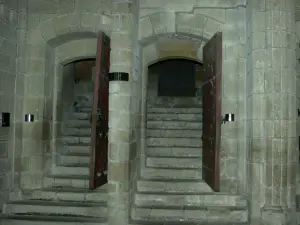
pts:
[229, 117]
[29, 117]
[5, 119]
[118, 76]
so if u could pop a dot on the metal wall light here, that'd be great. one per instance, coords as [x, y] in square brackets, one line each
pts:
[228, 118]
[29, 118]
[5, 119]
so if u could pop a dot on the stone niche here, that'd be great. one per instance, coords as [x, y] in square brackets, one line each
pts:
[164, 35]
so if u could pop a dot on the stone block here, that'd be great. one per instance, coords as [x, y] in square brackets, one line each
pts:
[66, 6]
[217, 14]
[118, 171]
[187, 23]
[168, 174]
[121, 23]
[173, 200]
[61, 24]
[119, 152]
[5, 61]
[121, 56]
[58, 208]
[119, 103]
[31, 180]
[258, 22]
[122, 7]
[178, 163]
[88, 20]
[43, 6]
[88, 6]
[214, 214]
[75, 20]
[274, 216]
[121, 40]
[272, 80]
[163, 23]
[260, 58]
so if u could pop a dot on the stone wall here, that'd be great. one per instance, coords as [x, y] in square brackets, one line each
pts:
[271, 99]
[183, 33]
[11, 94]
[298, 97]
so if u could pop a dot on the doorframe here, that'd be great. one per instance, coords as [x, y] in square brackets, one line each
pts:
[150, 55]
[59, 63]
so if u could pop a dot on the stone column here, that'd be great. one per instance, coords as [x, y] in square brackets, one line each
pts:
[119, 115]
[273, 78]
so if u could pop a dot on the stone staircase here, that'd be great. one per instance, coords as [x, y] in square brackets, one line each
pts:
[170, 189]
[65, 197]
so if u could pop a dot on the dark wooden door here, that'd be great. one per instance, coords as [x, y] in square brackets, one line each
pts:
[99, 119]
[212, 118]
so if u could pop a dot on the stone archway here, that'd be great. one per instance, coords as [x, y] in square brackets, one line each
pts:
[183, 35]
[64, 54]
[53, 43]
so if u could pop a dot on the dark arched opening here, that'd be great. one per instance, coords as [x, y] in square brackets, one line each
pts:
[176, 77]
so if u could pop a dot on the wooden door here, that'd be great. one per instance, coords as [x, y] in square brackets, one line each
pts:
[99, 118]
[212, 118]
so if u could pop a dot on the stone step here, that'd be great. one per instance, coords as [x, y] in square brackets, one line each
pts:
[78, 124]
[56, 207]
[174, 110]
[173, 186]
[69, 194]
[177, 125]
[76, 181]
[84, 109]
[71, 169]
[175, 142]
[79, 116]
[75, 158]
[72, 140]
[174, 117]
[84, 100]
[75, 149]
[163, 101]
[174, 133]
[191, 214]
[171, 174]
[178, 163]
[46, 219]
[79, 132]
[198, 200]
[174, 152]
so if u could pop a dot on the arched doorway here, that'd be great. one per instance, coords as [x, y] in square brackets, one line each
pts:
[74, 106]
[174, 117]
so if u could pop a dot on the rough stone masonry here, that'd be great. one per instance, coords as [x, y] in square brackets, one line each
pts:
[259, 151]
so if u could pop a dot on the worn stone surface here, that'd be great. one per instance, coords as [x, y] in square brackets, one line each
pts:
[259, 85]
[65, 190]
[273, 165]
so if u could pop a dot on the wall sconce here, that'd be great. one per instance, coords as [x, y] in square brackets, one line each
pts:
[29, 118]
[118, 76]
[228, 118]
[5, 119]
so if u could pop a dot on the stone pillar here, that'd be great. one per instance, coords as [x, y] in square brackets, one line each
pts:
[273, 80]
[119, 115]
